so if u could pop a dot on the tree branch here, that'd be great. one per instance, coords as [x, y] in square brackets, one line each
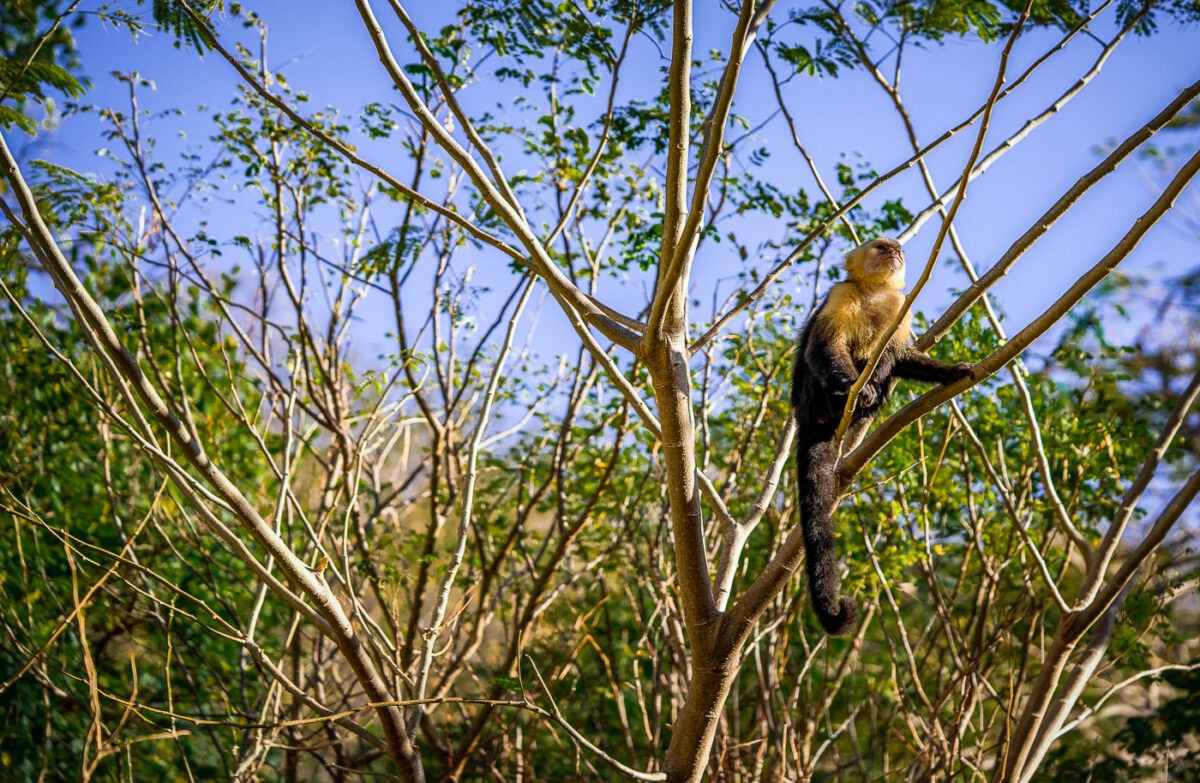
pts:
[853, 462]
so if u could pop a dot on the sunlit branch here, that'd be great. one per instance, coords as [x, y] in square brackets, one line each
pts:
[873, 443]
[883, 340]
[344, 150]
[130, 371]
[434, 628]
[511, 213]
[768, 280]
[1051, 216]
[1116, 528]
[1025, 130]
[734, 536]
[674, 267]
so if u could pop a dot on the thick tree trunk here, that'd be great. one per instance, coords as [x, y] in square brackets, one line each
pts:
[696, 726]
[714, 657]
[1015, 755]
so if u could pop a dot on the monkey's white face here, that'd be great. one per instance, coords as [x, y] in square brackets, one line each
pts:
[878, 262]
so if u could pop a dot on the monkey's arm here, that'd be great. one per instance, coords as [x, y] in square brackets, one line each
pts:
[830, 361]
[875, 390]
[916, 366]
[837, 371]
[885, 369]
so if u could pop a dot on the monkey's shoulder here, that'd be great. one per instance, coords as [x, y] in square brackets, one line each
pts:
[856, 315]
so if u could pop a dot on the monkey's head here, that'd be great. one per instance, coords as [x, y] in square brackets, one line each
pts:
[879, 262]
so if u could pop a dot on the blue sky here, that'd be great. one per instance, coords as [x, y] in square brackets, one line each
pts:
[323, 50]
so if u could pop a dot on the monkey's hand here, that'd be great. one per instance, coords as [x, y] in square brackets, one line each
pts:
[964, 370]
[868, 396]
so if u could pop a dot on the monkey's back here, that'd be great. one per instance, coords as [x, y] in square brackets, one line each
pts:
[813, 402]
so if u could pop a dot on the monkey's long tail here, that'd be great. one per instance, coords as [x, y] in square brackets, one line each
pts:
[817, 481]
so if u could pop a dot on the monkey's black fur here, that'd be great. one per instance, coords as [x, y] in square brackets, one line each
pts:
[822, 376]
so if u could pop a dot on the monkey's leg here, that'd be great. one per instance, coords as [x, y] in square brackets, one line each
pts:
[817, 480]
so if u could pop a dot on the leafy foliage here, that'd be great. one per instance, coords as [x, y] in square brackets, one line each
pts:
[331, 342]
[37, 55]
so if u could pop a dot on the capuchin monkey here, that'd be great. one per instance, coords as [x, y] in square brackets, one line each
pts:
[834, 348]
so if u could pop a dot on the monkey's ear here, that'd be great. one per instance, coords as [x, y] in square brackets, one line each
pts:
[854, 262]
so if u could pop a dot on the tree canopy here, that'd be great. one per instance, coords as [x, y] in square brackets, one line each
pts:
[445, 435]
